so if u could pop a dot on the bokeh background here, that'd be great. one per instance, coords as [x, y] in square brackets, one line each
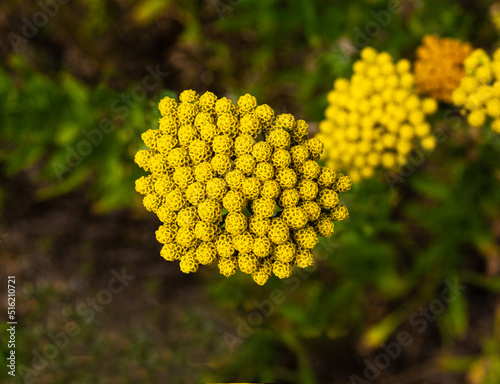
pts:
[406, 291]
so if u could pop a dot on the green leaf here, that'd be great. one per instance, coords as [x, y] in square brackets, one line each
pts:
[430, 188]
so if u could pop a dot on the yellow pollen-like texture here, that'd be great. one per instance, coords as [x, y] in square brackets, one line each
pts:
[373, 120]
[440, 66]
[237, 186]
[478, 95]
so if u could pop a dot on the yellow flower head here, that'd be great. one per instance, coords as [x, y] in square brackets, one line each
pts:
[478, 95]
[371, 122]
[440, 66]
[237, 186]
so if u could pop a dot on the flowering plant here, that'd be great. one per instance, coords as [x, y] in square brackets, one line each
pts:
[238, 186]
[440, 66]
[479, 92]
[375, 119]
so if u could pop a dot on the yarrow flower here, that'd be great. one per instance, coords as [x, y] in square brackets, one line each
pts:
[479, 92]
[237, 186]
[375, 119]
[440, 66]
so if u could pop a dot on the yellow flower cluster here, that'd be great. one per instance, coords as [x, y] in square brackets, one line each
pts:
[238, 186]
[440, 66]
[479, 92]
[375, 119]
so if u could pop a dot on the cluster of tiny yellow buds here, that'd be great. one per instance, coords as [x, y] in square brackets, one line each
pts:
[237, 186]
[440, 66]
[373, 121]
[478, 94]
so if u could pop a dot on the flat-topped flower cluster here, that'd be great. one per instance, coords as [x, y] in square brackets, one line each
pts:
[440, 66]
[238, 186]
[478, 95]
[375, 119]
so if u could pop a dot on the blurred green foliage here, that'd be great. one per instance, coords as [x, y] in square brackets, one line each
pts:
[53, 129]
[61, 337]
